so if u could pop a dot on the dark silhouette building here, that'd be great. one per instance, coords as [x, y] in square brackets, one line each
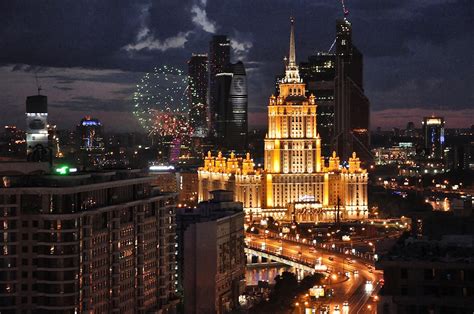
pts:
[318, 73]
[199, 80]
[231, 115]
[352, 108]
[219, 58]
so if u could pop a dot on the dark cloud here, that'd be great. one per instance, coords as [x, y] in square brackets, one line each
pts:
[90, 104]
[416, 52]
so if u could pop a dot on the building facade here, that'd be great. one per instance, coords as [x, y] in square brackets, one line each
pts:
[422, 276]
[219, 58]
[294, 170]
[91, 142]
[231, 116]
[37, 142]
[212, 259]
[95, 243]
[433, 134]
[318, 73]
[352, 108]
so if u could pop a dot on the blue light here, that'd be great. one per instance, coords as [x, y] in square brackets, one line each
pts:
[90, 123]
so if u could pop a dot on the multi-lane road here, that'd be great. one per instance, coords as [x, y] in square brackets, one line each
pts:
[350, 278]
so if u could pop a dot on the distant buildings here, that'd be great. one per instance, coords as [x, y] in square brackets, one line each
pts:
[231, 123]
[434, 137]
[91, 142]
[211, 254]
[87, 242]
[13, 143]
[352, 108]
[37, 143]
[199, 81]
[219, 58]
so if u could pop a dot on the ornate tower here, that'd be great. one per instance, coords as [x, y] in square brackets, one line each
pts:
[292, 144]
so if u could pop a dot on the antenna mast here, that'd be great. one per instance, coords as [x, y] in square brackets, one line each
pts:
[38, 86]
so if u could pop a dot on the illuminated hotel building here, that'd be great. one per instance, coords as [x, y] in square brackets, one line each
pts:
[295, 182]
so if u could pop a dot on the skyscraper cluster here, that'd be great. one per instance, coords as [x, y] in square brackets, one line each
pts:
[336, 80]
[222, 115]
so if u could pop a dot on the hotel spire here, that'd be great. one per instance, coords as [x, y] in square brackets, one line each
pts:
[292, 74]
[292, 54]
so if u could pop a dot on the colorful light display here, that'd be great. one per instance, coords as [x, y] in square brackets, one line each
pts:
[161, 102]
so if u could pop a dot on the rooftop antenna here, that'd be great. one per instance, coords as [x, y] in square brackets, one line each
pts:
[345, 11]
[38, 86]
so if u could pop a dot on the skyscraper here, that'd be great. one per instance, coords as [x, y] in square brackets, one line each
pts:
[351, 111]
[91, 142]
[318, 73]
[219, 58]
[295, 183]
[37, 144]
[433, 133]
[231, 116]
[198, 75]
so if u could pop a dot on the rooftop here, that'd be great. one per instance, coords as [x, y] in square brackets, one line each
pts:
[423, 250]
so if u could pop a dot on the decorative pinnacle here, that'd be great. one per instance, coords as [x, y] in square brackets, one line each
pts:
[292, 54]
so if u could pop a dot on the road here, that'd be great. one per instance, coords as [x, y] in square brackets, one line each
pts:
[351, 289]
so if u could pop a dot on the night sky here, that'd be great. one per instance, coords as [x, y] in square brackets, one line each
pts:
[89, 54]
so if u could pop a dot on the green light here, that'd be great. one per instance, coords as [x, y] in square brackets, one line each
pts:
[64, 170]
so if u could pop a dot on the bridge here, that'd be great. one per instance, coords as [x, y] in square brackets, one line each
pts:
[301, 264]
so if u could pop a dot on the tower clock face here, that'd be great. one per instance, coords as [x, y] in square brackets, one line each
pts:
[36, 124]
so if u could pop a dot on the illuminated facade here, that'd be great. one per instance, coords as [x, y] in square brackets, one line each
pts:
[295, 182]
[37, 143]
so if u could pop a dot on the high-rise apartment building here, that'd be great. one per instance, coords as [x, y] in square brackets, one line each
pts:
[231, 124]
[211, 254]
[91, 142]
[433, 134]
[198, 74]
[352, 108]
[85, 243]
[37, 143]
[219, 59]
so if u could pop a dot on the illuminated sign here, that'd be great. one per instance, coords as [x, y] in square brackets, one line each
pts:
[161, 168]
[64, 170]
[90, 123]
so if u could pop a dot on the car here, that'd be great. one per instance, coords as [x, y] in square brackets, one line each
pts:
[356, 272]
[336, 309]
[331, 258]
[324, 309]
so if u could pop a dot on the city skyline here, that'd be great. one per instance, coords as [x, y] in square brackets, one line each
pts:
[416, 72]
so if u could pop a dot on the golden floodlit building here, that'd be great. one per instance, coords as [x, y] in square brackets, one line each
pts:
[295, 183]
